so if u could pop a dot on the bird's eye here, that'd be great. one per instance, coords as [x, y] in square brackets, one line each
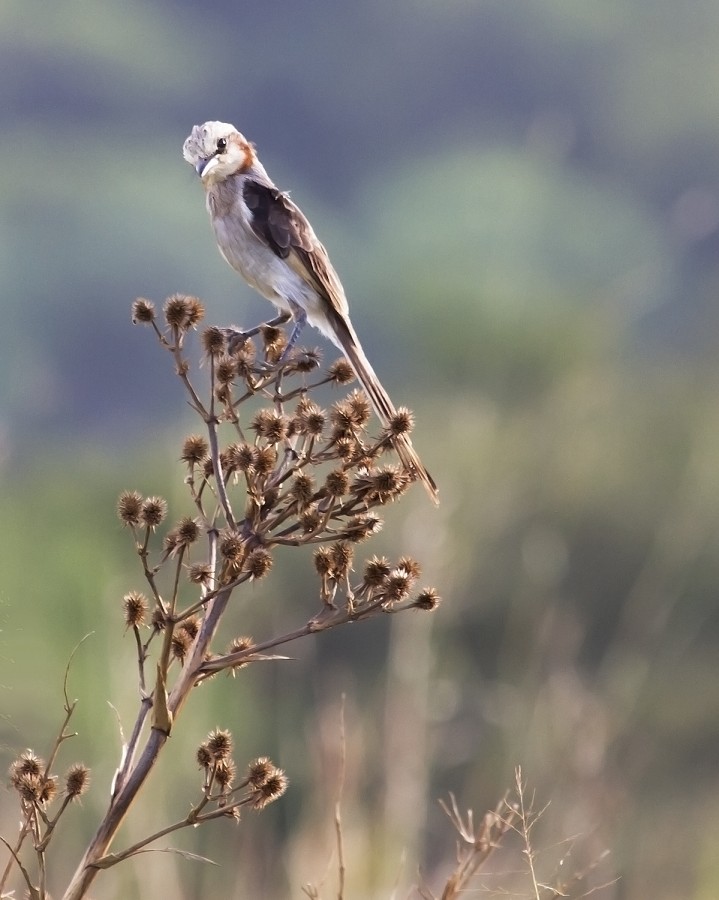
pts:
[221, 145]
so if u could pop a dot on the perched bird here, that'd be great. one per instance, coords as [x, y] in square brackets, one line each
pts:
[266, 238]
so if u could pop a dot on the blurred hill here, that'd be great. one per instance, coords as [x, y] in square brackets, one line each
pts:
[512, 140]
[522, 202]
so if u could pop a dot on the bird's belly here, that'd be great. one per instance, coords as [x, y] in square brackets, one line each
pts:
[270, 275]
[256, 266]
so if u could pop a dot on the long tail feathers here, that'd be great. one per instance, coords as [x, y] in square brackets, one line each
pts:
[384, 408]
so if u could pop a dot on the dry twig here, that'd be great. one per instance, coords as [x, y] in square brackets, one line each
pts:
[273, 469]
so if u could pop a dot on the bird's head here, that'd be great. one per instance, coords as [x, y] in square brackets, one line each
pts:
[217, 150]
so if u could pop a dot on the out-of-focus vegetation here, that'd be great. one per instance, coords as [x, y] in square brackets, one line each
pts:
[522, 202]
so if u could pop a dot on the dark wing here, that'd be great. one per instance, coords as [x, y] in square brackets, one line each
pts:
[272, 217]
[283, 227]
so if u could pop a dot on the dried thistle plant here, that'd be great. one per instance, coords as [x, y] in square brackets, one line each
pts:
[268, 469]
[515, 817]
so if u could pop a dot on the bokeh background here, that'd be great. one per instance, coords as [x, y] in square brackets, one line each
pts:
[521, 198]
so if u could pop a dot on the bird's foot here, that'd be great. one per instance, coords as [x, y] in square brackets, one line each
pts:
[237, 336]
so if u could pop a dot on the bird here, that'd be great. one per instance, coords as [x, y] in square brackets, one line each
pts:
[265, 237]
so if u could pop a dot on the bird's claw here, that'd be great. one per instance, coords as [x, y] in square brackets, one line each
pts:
[235, 338]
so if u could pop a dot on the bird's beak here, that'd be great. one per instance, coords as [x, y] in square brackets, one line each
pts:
[204, 167]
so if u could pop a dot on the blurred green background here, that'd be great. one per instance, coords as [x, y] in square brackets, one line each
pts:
[522, 201]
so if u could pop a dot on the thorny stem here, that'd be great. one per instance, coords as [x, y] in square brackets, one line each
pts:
[338, 805]
[217, 471]
[145, 706]
[123, 799]
[193, 818]
[169, 625]
[62, 736]
[526, 826]
[144, 554]
[14, 852]
[211, 421]
[270, 504]
[141, 657]
[42, 871]
[181, 368]
[200, 604]
[51, 823]
[176, 585]
[329, 618]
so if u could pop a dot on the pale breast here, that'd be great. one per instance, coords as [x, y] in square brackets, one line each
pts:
[258, 264]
